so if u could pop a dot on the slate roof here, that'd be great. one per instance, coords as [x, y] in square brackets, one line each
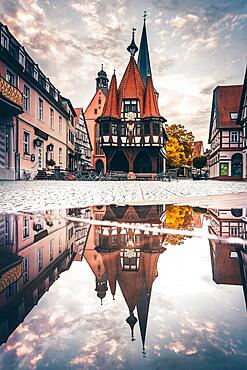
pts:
[143, 56]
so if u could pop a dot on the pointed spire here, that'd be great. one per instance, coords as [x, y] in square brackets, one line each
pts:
[143, 56]
[110, 107]
[131, 85]
[132, 48]
[142, 313]
[150, 102]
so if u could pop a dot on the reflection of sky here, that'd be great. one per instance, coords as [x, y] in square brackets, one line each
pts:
[193, 323]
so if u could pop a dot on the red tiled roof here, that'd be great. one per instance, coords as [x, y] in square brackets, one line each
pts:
[110, 107]
[228, 101]
[150, 102]
[197, 148]
[78, 112]
[132, 85]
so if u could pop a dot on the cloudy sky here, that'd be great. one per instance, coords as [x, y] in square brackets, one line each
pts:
[195, 45]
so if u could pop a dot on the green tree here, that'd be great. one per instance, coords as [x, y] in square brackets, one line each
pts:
[199, 161]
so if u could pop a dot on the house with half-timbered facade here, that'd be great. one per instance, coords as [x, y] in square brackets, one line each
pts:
[242, 120]
[225, 134]
[132, 133]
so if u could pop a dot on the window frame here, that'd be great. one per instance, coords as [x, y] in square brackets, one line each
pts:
[52, 118]
[26, 98]
[26, 142]
[26, 228]
[41, 110]
[60, 155]
[234, 137]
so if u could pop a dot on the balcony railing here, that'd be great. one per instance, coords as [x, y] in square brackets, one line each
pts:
[11, 93]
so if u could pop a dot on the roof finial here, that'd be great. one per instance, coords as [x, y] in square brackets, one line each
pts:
[114, 71]
[145, 16]
[102, 67]
[132, 48]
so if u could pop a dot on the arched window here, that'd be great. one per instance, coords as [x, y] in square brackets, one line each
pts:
[237, 212]
[237, 165]
[99, 166]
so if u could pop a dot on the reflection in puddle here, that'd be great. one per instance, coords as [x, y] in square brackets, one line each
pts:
[123, 246]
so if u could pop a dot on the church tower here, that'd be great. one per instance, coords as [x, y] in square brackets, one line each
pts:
[102, 81]
[93, 111]
[132, 133]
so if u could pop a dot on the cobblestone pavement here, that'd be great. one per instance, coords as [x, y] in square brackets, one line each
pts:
[40, 195]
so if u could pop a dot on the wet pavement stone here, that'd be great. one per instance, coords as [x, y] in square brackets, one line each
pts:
[41, 195]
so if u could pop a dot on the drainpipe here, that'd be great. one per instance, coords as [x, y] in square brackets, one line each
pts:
[17, 154]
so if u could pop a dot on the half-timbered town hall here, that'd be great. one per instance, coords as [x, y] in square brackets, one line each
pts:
[131, 128]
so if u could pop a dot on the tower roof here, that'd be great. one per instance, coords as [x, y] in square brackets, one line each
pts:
[132, 48]
[150, 102]
[131, 86]
[110, 107]
[102, 72]
[143, 56]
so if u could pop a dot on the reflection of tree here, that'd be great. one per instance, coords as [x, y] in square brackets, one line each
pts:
[178, 218]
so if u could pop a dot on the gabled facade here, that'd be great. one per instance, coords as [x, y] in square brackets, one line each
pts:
[83, 145]
[242, 120]
[229, 260]
[93, 111]
[33, 119]
[197, 148]
[131, 127]
[225, 134]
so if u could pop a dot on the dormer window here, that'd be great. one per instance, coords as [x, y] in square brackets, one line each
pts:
[22, 58]
[131, 106]
[47, 85]
[130, 259]
[35, 72]
[4, 41]
[234, 116]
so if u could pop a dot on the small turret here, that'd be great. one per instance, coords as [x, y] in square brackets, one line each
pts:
[102, 81]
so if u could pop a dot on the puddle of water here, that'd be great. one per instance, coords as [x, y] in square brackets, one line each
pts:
[123, 287]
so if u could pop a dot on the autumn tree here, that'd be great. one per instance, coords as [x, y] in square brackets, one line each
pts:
[175, 153]
[178, 218]
[184, 143]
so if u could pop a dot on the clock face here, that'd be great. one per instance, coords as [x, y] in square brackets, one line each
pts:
[130, 116]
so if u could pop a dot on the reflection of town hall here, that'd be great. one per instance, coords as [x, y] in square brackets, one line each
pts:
[127, 257]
